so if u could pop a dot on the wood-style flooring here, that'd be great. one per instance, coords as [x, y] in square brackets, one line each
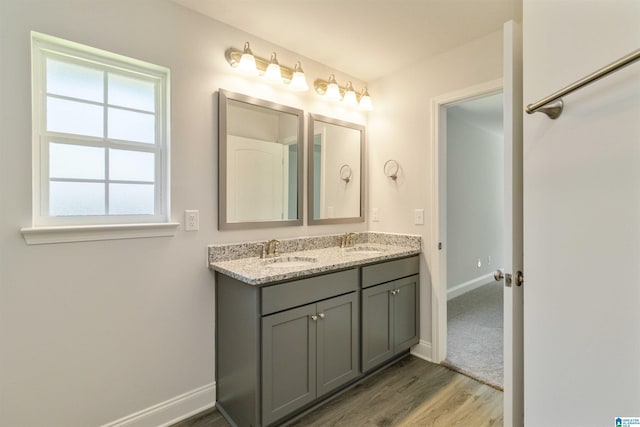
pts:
[412, 392]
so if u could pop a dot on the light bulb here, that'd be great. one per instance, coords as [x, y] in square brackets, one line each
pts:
[247, 62]
[273, 72]
[350, 96]
[365, 101]
[298, 79]
[333, 91]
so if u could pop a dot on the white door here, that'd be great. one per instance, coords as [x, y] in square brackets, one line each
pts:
[582, 216]
[255, 180]
[513, 259]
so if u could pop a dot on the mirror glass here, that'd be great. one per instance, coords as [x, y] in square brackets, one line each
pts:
[259, 163]
[336, 162]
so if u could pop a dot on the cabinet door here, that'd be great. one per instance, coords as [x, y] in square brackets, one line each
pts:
[405, 313]
[338, 339]
[377, 323]
[288, 362]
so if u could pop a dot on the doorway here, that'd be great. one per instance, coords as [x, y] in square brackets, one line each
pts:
[474, 237]
[439, 216]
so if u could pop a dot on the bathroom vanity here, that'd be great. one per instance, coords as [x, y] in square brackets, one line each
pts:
[293, 330]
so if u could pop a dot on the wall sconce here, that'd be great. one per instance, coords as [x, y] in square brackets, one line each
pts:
[270, 69]
[334, 92]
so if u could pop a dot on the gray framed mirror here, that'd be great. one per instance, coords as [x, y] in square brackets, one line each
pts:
[336, 171]
[260, 155]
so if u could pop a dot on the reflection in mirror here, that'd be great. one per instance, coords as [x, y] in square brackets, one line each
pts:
[259, 163]
[336, 162]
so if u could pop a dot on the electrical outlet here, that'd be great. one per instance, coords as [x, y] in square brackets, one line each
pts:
[489, 260]
[418, 216]
[375, 215]
[191, 220]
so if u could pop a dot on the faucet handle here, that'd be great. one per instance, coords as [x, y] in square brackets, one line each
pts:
[342, 240]
[262, 247]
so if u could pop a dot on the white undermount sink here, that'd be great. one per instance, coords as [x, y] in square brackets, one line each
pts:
[366, 250]
[289, 262]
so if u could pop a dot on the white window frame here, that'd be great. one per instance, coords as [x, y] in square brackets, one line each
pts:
[117, 226]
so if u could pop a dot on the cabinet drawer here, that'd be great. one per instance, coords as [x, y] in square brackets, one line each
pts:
[298, 292]
[391, 270]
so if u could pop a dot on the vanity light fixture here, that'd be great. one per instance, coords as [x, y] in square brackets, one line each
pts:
[270, 69]
[365, 100]
[349, 98]
[298, 80]
[273, 72]
[247, 62]
[334, 92]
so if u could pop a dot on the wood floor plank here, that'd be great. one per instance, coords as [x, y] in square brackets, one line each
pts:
[410, 393]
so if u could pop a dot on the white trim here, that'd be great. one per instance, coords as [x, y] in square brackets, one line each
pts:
[171, 411]
[438, 213]
[469, 285]
[422, 350]
[87, 233]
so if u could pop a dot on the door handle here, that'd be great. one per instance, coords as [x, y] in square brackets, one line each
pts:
[499, 275]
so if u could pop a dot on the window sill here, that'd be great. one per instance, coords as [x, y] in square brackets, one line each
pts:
[88, 233]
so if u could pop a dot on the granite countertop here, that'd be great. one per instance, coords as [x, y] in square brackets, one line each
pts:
[300, 263]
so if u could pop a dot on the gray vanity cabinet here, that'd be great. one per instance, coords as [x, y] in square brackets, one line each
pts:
[281, 347]
[390, 310]
[307, 352]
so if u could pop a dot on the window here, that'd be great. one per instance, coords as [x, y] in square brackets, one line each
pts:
[100, 129]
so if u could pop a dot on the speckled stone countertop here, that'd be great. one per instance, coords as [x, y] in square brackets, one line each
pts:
[307, 256]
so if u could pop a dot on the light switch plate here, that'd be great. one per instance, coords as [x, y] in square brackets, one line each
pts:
[418, 216]
[375, 215]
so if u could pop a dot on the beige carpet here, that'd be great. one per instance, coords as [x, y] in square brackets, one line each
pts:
[475, 334]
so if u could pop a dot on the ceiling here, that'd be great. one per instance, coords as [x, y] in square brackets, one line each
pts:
[366, 39]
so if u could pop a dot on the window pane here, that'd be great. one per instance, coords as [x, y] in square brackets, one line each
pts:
[74, 80]
[76, 198]
[131, 199]
[131, 93]
[75, 161]
[127, 165]
[73, 117]
[131, 126]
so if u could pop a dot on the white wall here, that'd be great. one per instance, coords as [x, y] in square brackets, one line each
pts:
[475, 200]
[581, 216]
[399, 128]
[95, 331]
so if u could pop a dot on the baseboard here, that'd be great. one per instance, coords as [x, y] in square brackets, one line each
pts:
[470, 285]
[171, 411]
[422, 350]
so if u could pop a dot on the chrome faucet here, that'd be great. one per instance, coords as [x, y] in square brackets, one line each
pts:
[347, 239]
[272, 248]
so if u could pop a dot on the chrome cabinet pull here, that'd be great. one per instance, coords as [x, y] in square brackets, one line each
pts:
[321, 315]
[314, 317]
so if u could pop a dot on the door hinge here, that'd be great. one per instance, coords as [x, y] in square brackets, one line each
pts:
[439, 246]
